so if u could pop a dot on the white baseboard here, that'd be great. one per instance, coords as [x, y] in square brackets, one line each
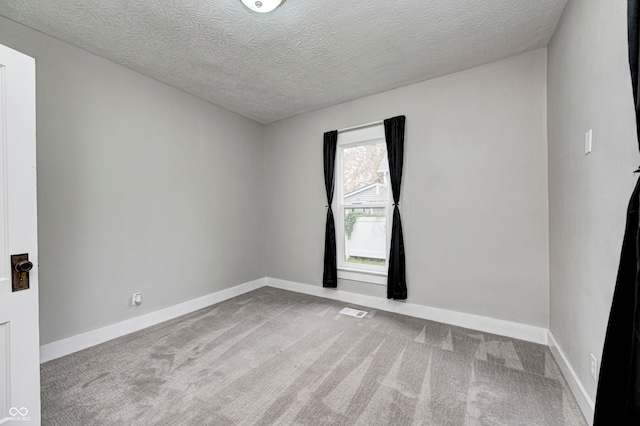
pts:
[529, 333]
[78, 342]
[585, 402]
[475, 322]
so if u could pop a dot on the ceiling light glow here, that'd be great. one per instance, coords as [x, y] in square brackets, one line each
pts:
[262, 6]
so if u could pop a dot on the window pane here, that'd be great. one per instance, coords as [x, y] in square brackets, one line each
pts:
[366, 174]
[365, 236]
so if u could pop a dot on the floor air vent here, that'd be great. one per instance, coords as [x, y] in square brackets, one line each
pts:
[353, 313]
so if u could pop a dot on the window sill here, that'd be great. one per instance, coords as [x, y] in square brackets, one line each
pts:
[378, 278]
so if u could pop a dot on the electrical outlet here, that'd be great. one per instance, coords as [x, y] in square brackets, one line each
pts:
[594, 367]
[136, 299]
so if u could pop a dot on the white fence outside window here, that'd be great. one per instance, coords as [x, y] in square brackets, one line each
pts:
[368, 238]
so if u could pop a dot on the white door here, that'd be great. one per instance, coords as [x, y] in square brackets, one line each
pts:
[19, 330]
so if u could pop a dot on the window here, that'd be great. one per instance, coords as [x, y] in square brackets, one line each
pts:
[362, 203]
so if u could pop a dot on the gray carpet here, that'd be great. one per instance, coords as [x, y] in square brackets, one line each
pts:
[272, 357]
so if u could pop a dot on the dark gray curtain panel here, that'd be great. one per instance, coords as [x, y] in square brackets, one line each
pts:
[396, 278]
[618, 398]
[330, 275]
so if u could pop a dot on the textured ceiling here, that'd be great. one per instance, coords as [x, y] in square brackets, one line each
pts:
[303, 56]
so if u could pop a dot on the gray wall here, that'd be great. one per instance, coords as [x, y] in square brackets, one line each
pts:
[588, 88]
[474, 198]
[141, 187]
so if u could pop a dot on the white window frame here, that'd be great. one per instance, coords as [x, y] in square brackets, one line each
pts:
[365, 273]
